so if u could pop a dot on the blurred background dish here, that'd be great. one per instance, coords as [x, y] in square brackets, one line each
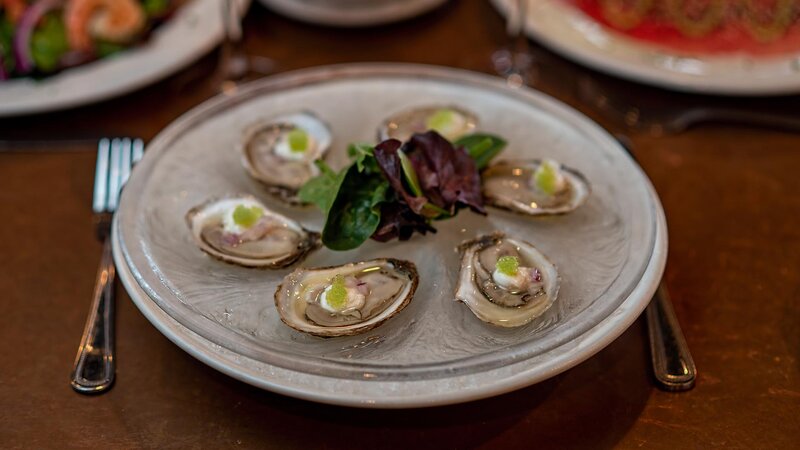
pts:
[194, 30]
[725, 57]
[351, 13]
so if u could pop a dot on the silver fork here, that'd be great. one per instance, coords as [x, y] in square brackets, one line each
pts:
[673, 365]
[94, 368]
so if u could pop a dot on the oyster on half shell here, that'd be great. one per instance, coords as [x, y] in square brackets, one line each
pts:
[241, 230]
[348, 299]
[505, 281]
[449, 121]
[281, 153]
[534, 187]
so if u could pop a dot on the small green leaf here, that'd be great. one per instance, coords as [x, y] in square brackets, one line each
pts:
[355, 213]
[508, 265]
[105, 48]
[322, 189]
[481, 147]
[155, 7]
[247, 216]
[336, 296]
[48, 43]
[7, 31]
[362, 153]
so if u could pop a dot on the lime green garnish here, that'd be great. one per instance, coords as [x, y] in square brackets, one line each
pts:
[441, 120]
[337, 294]
[508, 265]
[298, 140]
[546, 177]
[245, 216]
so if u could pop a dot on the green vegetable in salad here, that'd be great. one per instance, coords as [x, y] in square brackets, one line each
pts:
[49, 43]
[105, 48]
[349, 199]
[6, 43]
[363, 155]
[155, 8]
[382, 195]
[322, 189]
[481, 147]
[355, 212]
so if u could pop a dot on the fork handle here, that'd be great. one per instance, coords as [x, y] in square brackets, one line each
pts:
[94, 367]
[672, 362]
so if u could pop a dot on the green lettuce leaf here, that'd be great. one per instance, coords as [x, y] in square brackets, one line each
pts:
[322, 189]
[6, 42]
[155, 8]
[104, 48]
[49, 43]
[481, 147]
[363, 155]
[355, 213]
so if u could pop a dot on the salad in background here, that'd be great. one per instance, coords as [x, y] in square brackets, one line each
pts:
[41, 37]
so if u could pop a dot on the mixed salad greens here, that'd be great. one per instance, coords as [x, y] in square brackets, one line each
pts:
[41, 37]
[394, 189]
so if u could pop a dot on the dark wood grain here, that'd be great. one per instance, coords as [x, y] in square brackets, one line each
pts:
[732, 198]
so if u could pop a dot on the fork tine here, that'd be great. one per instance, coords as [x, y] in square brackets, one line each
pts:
[114, 174]
[101, 177]
[125, 163]
[138, 151]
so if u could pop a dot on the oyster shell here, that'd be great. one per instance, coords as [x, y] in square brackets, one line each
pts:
[272, 241]
[376, 290]
[505, 304]
[509, 185]
[449, 121]
[268, 157]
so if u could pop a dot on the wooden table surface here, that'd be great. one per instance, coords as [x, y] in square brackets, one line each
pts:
[731, 195]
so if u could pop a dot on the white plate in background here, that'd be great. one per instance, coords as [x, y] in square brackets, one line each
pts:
[195, 29]
[568, 31]
[351, 13]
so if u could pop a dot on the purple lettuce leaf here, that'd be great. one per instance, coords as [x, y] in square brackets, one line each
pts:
[389, 162]
[448, 176]
[399, 221]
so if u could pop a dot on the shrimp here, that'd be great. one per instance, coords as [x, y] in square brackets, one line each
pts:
[111, 20]
[13, 8]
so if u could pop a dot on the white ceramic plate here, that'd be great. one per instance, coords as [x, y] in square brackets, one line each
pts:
[351, 13]
[610, 252]
[571, 33]
[193, 32]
